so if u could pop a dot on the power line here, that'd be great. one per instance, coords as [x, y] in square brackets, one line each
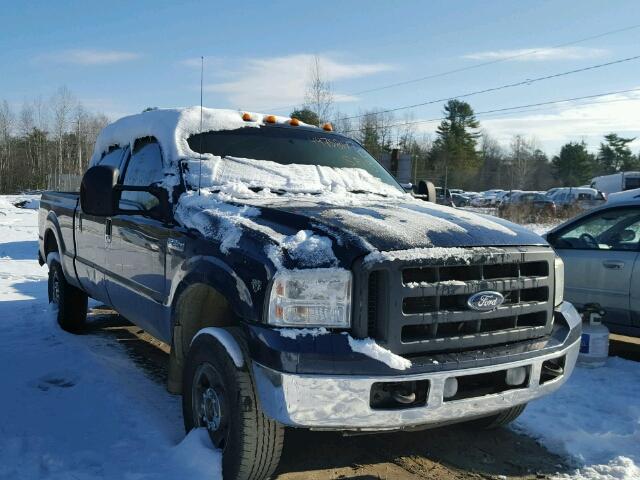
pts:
[505, 109]
[492, 62]
[478, 65]
[520, 83]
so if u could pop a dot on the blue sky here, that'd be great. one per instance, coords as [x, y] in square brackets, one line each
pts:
[120, 57]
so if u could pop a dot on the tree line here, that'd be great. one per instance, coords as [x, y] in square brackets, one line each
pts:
[46, 140]
[462, 154]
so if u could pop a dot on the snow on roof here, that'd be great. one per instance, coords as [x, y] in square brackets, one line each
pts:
[172, 127]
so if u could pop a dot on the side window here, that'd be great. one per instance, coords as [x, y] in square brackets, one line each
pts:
[616, 229]
[631, 183]
[113, 157]
[144, 169]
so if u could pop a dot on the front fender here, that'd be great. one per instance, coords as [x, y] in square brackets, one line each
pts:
[217, 274]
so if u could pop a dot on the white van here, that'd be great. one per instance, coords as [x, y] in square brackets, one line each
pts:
[616, 182]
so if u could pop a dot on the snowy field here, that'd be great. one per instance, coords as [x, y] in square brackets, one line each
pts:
[77, 407]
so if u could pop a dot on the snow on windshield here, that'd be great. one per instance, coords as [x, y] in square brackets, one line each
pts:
[295, 178]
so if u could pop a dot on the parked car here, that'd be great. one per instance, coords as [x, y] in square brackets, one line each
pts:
[617, 182]
[583, 198]
[443, 197]
[527, 203]
[486, 199]
[299, 286]
[600, 250]
[459, 200]
[623, 196]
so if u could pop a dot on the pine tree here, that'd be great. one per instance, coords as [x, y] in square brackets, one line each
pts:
[454, 150]
[574, 165]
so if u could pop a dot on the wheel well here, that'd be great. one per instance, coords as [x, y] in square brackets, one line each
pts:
[197, 306]
[50, 243]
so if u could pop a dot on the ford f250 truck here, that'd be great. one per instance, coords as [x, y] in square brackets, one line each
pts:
[298, 285]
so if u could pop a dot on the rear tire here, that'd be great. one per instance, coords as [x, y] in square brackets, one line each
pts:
[221, 397]
[501, 419]
[71, 302]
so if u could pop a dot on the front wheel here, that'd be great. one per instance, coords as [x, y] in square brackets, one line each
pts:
[221, 397]
[71, 302]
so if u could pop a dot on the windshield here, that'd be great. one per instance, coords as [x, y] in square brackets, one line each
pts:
[288, 146]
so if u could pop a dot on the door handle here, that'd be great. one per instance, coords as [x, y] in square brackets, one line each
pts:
[107, 230]
[613, 264]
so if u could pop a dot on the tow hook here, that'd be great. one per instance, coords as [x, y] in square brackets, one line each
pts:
[404, 397]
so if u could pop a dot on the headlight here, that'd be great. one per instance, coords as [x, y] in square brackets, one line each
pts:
[559, 272]
[311, 298]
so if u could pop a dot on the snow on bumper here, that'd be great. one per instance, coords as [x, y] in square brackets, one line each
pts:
[342, 402]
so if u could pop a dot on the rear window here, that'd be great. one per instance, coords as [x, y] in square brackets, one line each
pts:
[113, 158]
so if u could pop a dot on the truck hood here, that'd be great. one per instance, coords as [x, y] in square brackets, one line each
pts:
[305, 231]
[398, 225]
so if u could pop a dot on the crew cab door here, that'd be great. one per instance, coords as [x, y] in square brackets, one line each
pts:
[137, 253]
[599, 253]
[92, 237]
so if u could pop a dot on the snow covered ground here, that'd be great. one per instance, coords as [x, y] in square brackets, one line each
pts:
[78, 406]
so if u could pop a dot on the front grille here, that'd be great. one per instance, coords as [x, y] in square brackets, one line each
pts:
[420, 305]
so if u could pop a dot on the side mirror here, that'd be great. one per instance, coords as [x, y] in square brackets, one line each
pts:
[97, 193]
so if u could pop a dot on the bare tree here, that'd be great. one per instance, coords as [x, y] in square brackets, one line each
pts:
[31, 151]
[62, 104]
[318, 96]
[6, 126]
[521, 160]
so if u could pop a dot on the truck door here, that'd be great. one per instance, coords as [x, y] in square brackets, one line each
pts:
[91, 239]
[599, 252]
[137, 253]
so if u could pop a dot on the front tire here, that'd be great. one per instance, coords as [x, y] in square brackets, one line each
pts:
[504, 418]
[71, 302]
[221, 397]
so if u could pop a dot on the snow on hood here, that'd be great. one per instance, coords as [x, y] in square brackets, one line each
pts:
[172, 127]
[357, 224]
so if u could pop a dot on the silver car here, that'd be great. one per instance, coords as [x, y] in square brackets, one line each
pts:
[601, 253]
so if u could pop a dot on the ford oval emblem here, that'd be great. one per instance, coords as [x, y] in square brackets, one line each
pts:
[485, 301]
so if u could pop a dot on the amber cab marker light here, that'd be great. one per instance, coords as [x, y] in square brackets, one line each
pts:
[246, 117]
[294, 122]
[270, 119]
[328, 127]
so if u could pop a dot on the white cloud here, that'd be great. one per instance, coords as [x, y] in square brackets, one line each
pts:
[91, 57]
[260, 83]
[589, 122]
[538, 54]
[568, 122]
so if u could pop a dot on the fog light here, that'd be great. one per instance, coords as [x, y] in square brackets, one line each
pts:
[516, 376]
[450, 387]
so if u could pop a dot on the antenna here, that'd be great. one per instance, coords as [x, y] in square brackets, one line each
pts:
[201, 76]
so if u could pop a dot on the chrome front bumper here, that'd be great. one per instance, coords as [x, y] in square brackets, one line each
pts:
[342, 402]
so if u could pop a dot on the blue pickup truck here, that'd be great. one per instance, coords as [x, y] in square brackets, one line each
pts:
[298, 285]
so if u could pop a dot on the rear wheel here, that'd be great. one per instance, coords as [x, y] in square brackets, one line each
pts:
[219, 396]
[505, 417]
[71, 302]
